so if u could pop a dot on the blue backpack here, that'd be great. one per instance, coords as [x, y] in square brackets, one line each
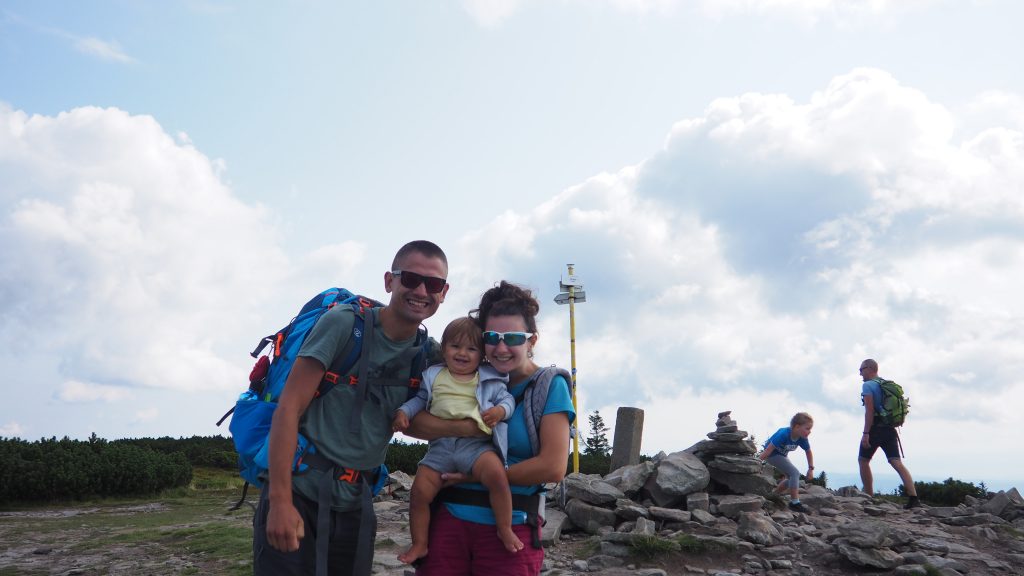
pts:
[252, 413]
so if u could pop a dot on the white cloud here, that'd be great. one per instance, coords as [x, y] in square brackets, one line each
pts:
[810, 12]
[146, 415]
[12, 430]
[90, 45]
[129, 248]
[491, 13]
[102, 49]
[76, 391]
[996, 109]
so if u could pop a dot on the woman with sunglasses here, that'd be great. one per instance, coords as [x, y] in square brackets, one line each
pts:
[538, 444]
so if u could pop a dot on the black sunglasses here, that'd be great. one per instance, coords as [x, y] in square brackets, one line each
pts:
[412, 280]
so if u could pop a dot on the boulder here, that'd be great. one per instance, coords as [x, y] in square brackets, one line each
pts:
[630, 479]
[587, 517]
[677, 475]
[759, 484]
[731, 506]
[757, 528]
[591, 488]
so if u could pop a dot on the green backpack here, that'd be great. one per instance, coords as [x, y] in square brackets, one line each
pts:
[895, 406]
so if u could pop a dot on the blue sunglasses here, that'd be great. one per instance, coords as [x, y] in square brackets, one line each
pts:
[510, 338]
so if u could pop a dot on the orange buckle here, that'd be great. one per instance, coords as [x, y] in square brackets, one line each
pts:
[331, 377]
[414, 382]
[278, 341]
[353, 380]
[349, 475]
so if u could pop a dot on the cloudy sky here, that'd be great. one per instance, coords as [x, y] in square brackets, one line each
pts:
[757, 195]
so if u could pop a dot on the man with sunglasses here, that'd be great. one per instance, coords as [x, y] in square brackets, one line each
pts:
[291, 535]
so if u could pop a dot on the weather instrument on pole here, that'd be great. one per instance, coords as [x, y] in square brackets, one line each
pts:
[572, 293]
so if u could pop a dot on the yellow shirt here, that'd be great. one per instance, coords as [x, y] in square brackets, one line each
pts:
[453, 399]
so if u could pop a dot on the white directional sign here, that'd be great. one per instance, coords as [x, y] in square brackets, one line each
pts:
[577, 297]
[572, 280]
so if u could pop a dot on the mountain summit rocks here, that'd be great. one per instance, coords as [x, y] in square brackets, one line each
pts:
[715, 500]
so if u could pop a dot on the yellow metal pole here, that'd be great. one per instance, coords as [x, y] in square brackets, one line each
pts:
[572, 353]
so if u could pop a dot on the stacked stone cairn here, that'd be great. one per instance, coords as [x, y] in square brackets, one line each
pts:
[717, 497]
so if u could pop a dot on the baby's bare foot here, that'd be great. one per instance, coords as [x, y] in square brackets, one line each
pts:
[414, 553]
[510, 540]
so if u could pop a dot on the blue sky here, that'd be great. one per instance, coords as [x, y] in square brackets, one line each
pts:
[758, 194]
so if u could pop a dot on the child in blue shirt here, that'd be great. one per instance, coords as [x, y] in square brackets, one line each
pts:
[777, 449]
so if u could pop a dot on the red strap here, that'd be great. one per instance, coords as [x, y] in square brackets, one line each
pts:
[278, 342]
[349, 475]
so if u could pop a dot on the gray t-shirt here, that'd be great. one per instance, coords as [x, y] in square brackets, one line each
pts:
[326, 420]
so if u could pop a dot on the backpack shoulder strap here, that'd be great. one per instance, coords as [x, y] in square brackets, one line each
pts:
[350, 353]
[362, 380]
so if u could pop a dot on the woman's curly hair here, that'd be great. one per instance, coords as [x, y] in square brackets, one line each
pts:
[508, 299]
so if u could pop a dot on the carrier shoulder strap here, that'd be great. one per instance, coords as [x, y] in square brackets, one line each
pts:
[534, 397]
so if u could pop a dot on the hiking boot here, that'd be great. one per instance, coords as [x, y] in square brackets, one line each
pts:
[799, 507]
[914, 502]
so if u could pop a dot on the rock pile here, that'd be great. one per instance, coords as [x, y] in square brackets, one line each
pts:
[713, 501]
[730, 459]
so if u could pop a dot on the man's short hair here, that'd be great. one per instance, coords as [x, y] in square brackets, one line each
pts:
[425, 247]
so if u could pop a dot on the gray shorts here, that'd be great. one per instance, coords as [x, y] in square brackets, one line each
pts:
[782, 464]
[456, 454]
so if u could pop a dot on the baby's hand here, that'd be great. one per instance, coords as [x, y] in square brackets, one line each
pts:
[493, 415]
[400, 423]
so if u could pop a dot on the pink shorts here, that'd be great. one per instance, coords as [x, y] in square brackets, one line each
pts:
[460, 548]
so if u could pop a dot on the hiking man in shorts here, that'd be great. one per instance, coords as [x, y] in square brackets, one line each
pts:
[877, 435]
[292, 534]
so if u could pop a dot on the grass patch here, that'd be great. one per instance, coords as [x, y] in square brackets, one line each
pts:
[692, 545]
[215, 479]
[590, 547]
[649, 547]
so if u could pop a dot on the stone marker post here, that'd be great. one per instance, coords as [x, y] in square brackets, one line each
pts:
[629, 431]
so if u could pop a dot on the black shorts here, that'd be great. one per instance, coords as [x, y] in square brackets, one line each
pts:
[883, 437]
[269, 561]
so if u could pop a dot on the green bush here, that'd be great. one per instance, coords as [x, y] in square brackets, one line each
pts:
[591, 464]
[404, 456]
[54, 470]
[949, 492]
[208, 451]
